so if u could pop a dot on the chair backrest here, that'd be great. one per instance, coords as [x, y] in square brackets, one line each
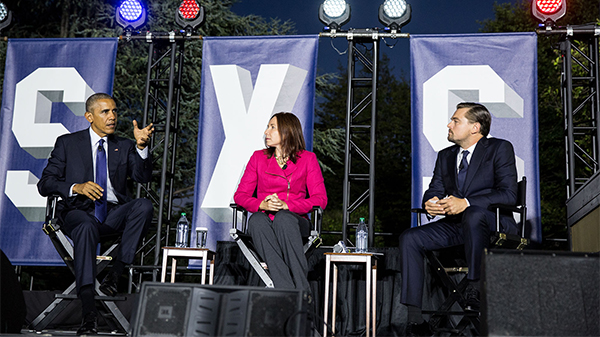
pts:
[51, 207]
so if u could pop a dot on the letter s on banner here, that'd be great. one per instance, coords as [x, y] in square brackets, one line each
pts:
[35, 134]
[469, 83]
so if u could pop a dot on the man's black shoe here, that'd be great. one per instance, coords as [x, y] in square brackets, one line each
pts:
[89, 324]
[414, 329]
[109, 284]
[472, 302]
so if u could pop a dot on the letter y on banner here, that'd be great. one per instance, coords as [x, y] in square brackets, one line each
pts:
[245, 80]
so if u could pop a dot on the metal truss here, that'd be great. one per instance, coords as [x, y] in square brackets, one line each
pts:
[161, 107]
[581, 101]
[361, 118]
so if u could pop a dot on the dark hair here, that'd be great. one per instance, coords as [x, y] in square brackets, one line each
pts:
[292, 138]
[94, 98]
[477, 113]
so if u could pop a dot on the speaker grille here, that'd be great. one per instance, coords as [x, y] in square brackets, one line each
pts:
[164, 311]
[532, 294]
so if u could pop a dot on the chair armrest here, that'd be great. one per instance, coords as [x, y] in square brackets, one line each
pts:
[419, 211]
[504, 207]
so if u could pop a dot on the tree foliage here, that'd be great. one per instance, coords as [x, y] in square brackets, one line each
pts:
[518, 18]
[392, 187]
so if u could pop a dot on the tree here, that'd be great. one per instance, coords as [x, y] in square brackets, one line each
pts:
[518, 18]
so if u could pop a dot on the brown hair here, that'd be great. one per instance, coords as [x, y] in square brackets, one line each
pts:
[290, 131]
[477, 113]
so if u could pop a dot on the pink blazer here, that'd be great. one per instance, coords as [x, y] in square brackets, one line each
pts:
[300, 185]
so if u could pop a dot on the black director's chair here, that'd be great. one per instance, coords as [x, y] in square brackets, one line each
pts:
[109, 310]
[441, 319]
[244, 241]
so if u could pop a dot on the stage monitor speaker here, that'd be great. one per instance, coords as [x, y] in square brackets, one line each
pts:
[540, 294]
[202, 310]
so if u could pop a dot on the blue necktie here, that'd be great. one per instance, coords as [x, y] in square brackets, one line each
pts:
[462, 170]
[100, 211]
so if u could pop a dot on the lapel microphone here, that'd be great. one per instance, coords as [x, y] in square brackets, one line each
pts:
[284, 167]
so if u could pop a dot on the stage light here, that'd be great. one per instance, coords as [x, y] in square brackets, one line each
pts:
[131, 14]
[5, 16]
[548, 11]
[189, 15]
[334, 13]
[394, 14]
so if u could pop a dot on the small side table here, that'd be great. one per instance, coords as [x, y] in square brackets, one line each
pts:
[370, 291]
[189, 253]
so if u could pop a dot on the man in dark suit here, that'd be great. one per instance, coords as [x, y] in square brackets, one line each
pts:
[89, 170]
[468, 177]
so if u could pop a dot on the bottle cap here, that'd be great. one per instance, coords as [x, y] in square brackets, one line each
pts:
[202, 229]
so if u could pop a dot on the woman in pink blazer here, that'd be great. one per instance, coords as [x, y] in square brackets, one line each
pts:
[280, 186]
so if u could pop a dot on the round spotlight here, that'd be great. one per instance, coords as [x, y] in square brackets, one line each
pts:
[394, 14]
[5, 16]
[3, 12]
[334, 13]
[189, 9]
[131, 14]
[130, 10]
[334, 8]
[394, 8]
[189, 15]
[549, 6]
[548, 11]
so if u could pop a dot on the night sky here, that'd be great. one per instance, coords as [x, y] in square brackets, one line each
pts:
[428, 17]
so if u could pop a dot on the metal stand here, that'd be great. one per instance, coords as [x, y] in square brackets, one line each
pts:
[161, 107]
[361, 117]
[581, 99]
[581, 102]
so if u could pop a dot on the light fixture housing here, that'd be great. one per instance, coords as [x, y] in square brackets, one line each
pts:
[189, 15]
[548, 11]
[131, 14]
[334, 13]
[395, 13]
[5, 16]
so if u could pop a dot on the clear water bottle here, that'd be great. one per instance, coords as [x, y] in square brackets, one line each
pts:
[362, 236]
[182, 239]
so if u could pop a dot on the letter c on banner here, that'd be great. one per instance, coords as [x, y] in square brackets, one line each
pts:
[35, 134]
[455, 84]
[470, 83]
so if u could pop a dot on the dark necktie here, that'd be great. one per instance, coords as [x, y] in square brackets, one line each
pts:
[100, 212]
[462, 170]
